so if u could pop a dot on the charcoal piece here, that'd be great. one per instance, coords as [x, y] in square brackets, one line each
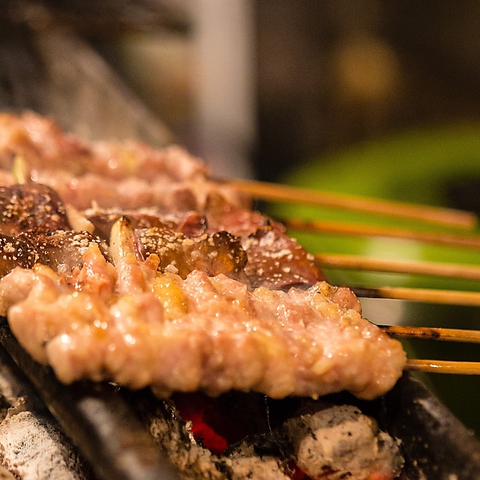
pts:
[435, 443]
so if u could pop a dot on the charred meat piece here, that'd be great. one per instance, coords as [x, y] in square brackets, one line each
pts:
[267, 255]
[277, 262]
[103, 220]
[274, 259]
[191, 224]
[60, 250]
[31, 207]
[212, 254]
[63, 251]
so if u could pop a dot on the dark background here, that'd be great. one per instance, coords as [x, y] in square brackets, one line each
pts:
[325, 75]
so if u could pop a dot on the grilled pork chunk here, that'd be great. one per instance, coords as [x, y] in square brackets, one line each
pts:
[132, 325]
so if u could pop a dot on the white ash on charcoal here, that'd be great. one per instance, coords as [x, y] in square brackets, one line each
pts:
[270, 444]
[340, 442]
[31, 448]
[32, 444]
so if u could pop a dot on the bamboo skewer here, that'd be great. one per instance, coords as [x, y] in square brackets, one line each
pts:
[354, 262]
[430, 214]
[444, 334]
[341, 228]
[444, 366]
[446, 297]
[433, 333]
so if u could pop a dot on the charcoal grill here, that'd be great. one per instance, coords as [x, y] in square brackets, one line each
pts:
[54, 72]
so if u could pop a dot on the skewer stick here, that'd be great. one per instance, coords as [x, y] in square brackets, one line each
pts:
[448, 297]
[341, 228]
[444, 366]
[354, 262]
[427, 333]
[276, 192]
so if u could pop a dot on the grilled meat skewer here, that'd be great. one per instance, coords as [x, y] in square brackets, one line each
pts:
[194, 291]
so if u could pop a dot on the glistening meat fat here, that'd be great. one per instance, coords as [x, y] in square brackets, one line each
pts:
[135, 326]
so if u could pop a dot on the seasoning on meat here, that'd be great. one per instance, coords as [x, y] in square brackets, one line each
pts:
[239, 243]
[31, 207]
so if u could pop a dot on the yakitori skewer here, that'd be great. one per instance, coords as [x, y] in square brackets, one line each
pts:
[425, 213]
[440, 216]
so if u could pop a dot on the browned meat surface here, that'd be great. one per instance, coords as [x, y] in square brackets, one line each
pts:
[44, 146]
[212, 254]
[63, 250]
[265, 256]
[137, 327]
[131, 192]
[31, 207]
[41, 142]
[130, 176]
[276, 261]
[14, 252]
